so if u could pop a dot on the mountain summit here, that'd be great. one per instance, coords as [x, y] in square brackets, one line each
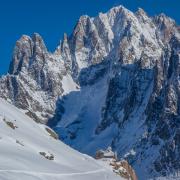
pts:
[113, 82]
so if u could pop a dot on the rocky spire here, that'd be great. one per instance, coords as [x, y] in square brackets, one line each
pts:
[166, 26]
[22, 52]
[26, 51]
[39, 45]
[79, 33]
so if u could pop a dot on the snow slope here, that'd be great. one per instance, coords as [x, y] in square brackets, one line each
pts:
[78, 116]
[21, 141]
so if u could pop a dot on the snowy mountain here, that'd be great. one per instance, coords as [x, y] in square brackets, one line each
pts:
[28, 151]
[113, 82]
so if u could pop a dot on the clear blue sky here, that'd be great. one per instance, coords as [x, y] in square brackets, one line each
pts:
[51, 18]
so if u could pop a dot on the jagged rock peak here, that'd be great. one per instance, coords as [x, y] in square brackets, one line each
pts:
[141, 14]
[118, 12]
[25, 38]
[65, 37]
[85, 19]
[57, 51]
[81, 25]
[164, 21]
[117, 9]
[141, 11]
[163, 18]
[167, 27]
[35, 40]
[26, 48]
[22, 52]
[38, 41]
[62, 44]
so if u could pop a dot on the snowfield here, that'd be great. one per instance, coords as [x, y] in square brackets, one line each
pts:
[21, 142]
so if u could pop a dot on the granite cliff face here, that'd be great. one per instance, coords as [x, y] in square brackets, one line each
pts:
[113, 82]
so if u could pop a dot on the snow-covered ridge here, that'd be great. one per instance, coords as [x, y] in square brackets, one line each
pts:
[22, 140]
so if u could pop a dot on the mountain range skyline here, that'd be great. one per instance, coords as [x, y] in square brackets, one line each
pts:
[50, 23]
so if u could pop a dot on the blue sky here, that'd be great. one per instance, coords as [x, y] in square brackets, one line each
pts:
[51, 18]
